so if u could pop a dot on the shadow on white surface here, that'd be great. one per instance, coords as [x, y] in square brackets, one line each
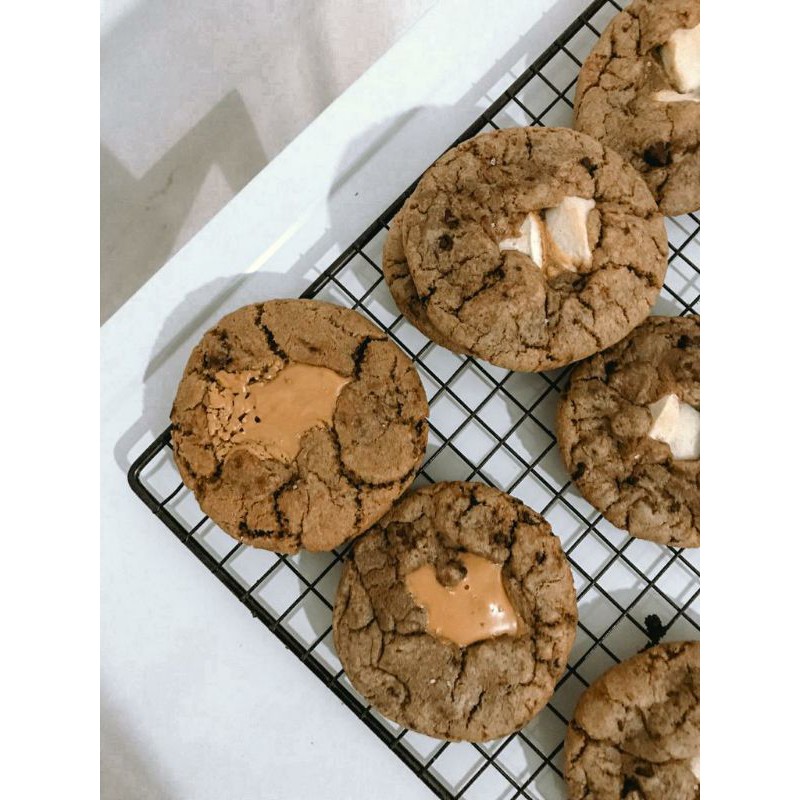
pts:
[190, 88]
[125, 772]
[143, 219]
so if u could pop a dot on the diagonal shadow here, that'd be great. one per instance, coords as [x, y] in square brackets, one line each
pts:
[126, 773]
[143, 219]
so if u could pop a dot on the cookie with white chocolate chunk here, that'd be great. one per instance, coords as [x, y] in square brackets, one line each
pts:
[455, 614]
[533, 247]
[297, 424]
[639, 93]
[635, 733]
[628, 428]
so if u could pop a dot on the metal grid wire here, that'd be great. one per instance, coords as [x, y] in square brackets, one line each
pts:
[490, 425]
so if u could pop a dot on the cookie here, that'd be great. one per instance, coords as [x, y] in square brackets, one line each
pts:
[398, 279]
[534, 247]
[638, 92]
[635, 733]
[628, 428]
[455, 614]
[297, 424]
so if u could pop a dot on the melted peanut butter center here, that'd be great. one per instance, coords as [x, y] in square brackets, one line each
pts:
[475, 608]
[276, 413]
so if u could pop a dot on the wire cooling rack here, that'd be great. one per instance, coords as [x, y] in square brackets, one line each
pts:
[489, 425]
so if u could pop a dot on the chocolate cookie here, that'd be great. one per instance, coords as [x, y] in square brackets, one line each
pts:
[635, 733]
[297, 424]
[456, 613]
[395, 271]
[639, 93]
[628, 428]
[534, 247]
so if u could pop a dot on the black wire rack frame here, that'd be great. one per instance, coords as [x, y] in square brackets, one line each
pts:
[488, 425]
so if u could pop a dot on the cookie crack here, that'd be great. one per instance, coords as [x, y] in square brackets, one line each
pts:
[489, 281]
[360, 354]
[475, 709]
[271, 341]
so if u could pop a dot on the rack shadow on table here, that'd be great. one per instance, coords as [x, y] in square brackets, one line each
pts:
[489, 425]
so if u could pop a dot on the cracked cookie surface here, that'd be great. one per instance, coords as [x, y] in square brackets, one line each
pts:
[497, 303]
[603, 422]
[344, 475]
[616, 101]
[404, 292]
[635, 733]
[485, 689]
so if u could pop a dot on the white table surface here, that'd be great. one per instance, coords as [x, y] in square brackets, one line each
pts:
[198, 699]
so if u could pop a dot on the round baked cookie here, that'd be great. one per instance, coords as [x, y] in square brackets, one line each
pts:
[455, 614]
[395, 272]
[628, 428]
[639, 93]
[635, 733]
[297, 424]
[534, 247]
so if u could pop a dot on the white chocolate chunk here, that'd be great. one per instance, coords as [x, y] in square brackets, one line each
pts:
[666, 413]
[529, 240]
[670, 96]
[677, 424]
[681, 57]
[569, 233]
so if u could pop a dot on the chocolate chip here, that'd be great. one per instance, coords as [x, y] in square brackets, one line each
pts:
[684, 342]
[257, 419]
[629, 785]
[424, 298]
[631, 480]
[213, 362]
[450, 219]
[497, 274]
[579, 470]
[445, 242]
[658, 154]
[655, 628]
[589, 165]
